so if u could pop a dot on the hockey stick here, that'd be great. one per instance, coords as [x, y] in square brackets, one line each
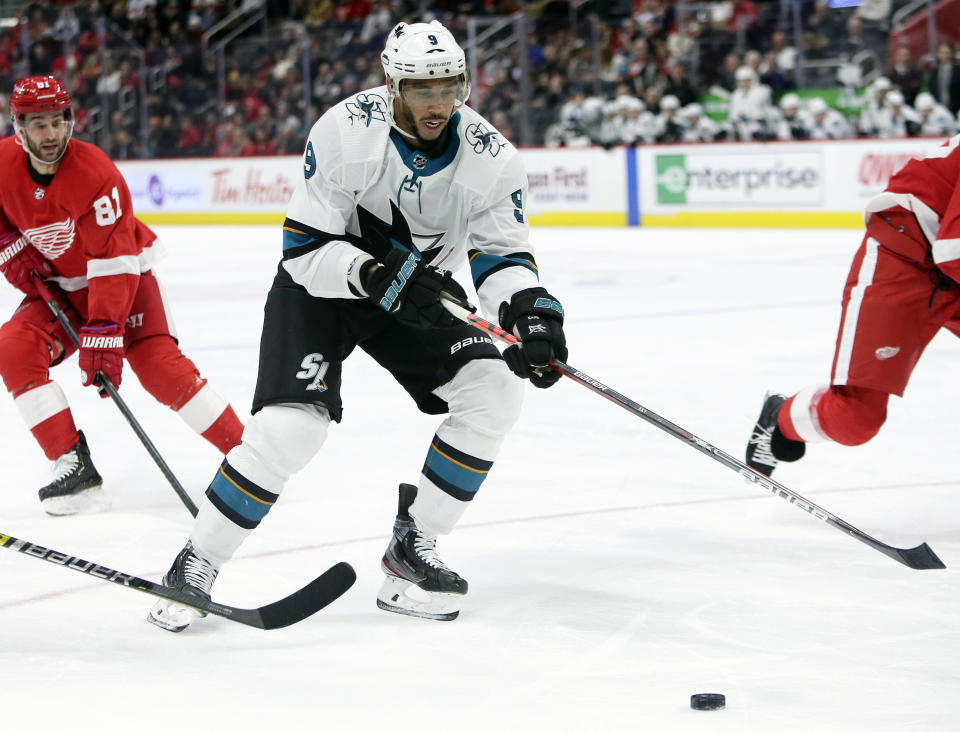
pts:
[117, 399]
[919, 557]
[291, 609]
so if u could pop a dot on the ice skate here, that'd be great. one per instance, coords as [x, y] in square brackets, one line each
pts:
[191, 574]
[767, 446]
[418, 583]
[76, 485]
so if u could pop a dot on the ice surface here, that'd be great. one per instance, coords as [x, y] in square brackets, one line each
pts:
[614, 571]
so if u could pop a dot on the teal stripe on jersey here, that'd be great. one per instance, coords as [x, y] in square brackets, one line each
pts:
[293, 239]
[482, 265]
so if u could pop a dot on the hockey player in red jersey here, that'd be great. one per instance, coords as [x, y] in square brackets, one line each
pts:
[903, 287]
[66, 213]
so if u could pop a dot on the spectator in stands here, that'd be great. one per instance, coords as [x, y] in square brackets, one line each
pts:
[651, 98]
[794, 123]
[943, 80]
[935, 119]
[772, 77]
[164, 137]
[727, 78]
[822, 30]
[785, 55]
[897, 118]
[190, 142]
[827, 123]
[855, 40]
[679, 86]
[904, 75]
[643, 69]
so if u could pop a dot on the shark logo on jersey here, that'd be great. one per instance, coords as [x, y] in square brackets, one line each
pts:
[482, 139]
[381, 236]
[365, 108]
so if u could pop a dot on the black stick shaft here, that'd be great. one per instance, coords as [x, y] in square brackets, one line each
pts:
[117, 399]
[288, 610]
[919, 557]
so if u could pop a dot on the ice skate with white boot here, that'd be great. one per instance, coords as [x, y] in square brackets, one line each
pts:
[191, 574]
[417, 581]
[76, 485]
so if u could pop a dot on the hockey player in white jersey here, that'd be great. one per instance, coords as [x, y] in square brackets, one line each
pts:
[402, 184]
[935, 119]
[827, 123]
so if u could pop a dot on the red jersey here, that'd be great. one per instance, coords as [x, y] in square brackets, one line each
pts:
[921, 207]
[81, 219]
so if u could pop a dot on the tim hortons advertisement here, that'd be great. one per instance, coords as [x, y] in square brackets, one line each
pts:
[250, 185]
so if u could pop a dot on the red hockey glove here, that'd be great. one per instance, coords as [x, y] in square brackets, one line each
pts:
[101, 349]
[19, 259]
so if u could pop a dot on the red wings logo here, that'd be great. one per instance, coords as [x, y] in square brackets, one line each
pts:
[53, 239]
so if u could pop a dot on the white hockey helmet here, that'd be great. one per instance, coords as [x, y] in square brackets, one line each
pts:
[817, 106]
[745, 73]
[924, 101]
[669, 102]
[894, 99]
[423, 51]
[789, 101]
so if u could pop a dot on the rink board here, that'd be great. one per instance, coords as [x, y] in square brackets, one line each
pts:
[812, 184]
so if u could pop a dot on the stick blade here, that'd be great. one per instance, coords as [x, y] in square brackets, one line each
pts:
[309, 599]
[921, 557]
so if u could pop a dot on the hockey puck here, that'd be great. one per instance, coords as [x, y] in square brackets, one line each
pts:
[707, 702]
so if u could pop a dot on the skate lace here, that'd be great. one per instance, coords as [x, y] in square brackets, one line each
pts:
[426, 548]
[65, 465]
[761, 439]
[199, 573]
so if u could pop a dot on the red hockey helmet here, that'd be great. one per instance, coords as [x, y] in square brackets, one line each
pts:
[35, 94]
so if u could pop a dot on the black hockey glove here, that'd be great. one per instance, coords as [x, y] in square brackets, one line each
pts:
[536, 319]
[410, 290]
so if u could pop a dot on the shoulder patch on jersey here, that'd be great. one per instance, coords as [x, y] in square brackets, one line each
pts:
[484, 140]
[367, 108]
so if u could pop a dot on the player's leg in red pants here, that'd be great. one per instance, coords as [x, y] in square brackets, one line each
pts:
[30, 343]
[172, 379]
[892, 308]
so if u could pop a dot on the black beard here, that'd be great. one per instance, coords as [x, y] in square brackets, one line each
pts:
[430, 147]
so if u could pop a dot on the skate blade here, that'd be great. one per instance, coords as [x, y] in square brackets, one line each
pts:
[172, 616]
[91, 500]
[400, 596]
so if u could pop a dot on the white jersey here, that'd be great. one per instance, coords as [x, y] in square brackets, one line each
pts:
[938, 122]
[832, 125]
[365, 191]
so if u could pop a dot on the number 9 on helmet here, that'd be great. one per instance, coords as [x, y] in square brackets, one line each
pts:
[423, 51]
